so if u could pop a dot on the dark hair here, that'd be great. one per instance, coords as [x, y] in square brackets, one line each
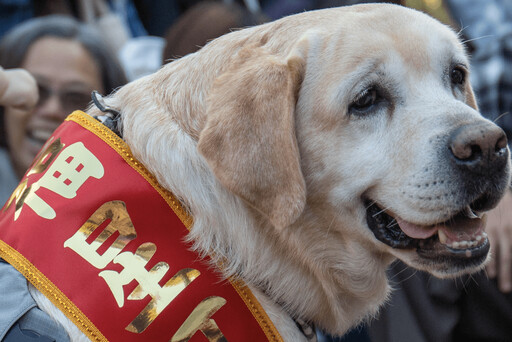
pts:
[16, 42]
[203, 22]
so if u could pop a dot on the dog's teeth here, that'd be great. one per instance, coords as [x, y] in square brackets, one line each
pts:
[470, 213]
[442, 237]
[465, 244]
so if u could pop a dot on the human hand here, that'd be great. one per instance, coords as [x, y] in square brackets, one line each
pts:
[18, 89]
[499, 230]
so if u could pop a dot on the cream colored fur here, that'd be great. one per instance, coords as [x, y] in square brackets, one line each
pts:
[252, 134]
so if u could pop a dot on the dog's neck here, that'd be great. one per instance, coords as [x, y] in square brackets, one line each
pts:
[111, 119]
[333, 297]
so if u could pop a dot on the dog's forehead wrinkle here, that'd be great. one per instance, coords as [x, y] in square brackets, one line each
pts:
[410, 42]
[360, 77]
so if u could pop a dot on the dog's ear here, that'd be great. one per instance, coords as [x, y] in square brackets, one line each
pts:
[249, 139]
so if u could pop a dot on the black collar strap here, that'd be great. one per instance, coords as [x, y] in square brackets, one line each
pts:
[111, 117]
[307, 329]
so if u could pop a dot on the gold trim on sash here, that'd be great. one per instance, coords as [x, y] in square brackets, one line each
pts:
[124, 151]
[63, 303]
[46, 287]
[120, 146]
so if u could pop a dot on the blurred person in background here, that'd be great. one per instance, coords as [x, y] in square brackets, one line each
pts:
[117, 21]
[203, 22]
[13, 12]
[65, 60]
[68, 60]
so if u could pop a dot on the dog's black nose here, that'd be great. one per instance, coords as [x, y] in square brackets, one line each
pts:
[479, 148]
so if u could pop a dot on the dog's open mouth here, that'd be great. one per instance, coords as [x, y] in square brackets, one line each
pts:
[462, 236]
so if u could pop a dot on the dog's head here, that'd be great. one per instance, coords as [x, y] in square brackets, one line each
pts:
[367, 124]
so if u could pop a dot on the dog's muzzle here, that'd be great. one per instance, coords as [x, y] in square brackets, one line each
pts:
[476, 158]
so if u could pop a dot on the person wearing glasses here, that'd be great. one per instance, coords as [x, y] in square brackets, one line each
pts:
[68, 60]
[49, 67]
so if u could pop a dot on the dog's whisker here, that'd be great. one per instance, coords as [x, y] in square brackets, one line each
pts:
[329, 228]
[429, 279]
[462, 28]
[486, 274]
[500, 116]
[463, 281]
[473, 279]
[409, 277]
[392, 224]
[380, 212]
[372, 203]
[474, 39]
[404, 268]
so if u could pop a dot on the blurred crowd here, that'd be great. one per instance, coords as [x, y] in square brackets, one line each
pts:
[53, 53]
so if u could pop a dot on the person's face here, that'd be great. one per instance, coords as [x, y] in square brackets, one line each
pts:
[66, 74]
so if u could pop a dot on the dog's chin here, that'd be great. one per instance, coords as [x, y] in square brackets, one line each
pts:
[449, 248]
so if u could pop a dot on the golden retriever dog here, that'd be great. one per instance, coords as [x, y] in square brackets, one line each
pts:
[314, 150]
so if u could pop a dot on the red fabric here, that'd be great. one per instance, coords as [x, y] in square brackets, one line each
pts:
[41, 241]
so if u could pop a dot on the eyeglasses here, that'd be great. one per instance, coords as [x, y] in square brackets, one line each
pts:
[70, 100]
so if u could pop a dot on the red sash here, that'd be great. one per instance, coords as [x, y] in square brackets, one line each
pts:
[92, 229]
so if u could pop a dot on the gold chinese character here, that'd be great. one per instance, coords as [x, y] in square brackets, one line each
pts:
[116, 213]
[200, 319]
[134, 268]
[72, 167]
[43, 160]
[65, 176]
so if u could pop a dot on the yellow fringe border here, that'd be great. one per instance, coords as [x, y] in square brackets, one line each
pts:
[61, 301]
[120, 146]
[43, 284]
[105, 134]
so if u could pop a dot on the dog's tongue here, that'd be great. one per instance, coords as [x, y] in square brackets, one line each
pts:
[417, 232]
[458, 229]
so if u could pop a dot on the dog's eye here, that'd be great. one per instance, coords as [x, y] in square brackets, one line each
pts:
[365, 101]
[458, 76]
